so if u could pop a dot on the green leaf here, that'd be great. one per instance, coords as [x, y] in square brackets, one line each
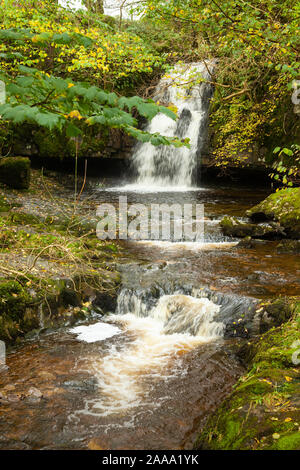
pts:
[73, 131]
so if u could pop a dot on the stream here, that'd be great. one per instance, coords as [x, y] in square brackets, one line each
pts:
[148, 375]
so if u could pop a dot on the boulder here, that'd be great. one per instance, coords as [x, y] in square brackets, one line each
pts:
[282, 207]
[232, 227]
[15, 172]
[289, 246]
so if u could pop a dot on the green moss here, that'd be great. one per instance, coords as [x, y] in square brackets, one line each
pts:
[282, 206]
[288, 442]
[15, 172]
[23, 218]
[15, 313]
[4, 205]
[262, 412]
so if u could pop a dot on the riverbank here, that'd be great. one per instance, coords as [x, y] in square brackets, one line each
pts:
[262, 412]
[53, 269]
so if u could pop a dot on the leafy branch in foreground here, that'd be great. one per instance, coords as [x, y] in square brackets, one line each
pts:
[54, 102]
[286, 165]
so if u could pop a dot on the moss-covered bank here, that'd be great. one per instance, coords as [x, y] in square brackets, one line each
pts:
[53, 268]
[263, 410]
[277, 216]
[31, 305]
[283, 207]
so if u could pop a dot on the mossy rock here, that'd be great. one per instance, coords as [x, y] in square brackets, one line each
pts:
[283, 207]
[23, 218]
[15, 172]
[263, 410]
[4, 205]
[232, 227]
[289, 246]
[16, 314]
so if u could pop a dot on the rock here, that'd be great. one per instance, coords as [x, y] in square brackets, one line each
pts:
[97, 444]
[9, 388]
[86, 385]
[289, 246]
[47, 375]
[248, 242]
[282, 207]
[34, 393]
[232, 227]
[15, 172]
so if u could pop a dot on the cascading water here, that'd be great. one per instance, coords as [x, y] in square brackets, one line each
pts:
[167, 166]
[162, 332]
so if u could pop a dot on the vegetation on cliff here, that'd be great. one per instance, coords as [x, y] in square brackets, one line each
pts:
[257, 47]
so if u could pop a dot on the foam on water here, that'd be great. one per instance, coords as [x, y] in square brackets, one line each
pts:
[96, 332]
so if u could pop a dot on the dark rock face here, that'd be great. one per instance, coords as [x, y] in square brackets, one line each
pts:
[15, 172]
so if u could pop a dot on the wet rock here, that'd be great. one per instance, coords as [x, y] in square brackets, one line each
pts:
[13, 397]
[15, 172]
[232, 227]
[276, 312]
[86, 385]
[47, 375]
[34, 393]
[282, 207]
[9, 388]
[289, 246]
[249, 242]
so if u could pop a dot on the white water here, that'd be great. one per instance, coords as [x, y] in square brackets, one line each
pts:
[159, 337]
[96, 332]
[166, 167]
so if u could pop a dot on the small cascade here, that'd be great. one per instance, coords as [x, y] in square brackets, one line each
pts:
[161, 332]
[166, 166]
[177, 313]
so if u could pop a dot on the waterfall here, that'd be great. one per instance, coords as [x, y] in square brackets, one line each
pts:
[167, 166]
[160, 331]
[175, 314]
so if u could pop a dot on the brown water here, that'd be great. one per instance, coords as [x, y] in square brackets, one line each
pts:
[142, 388]
[167, 420]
